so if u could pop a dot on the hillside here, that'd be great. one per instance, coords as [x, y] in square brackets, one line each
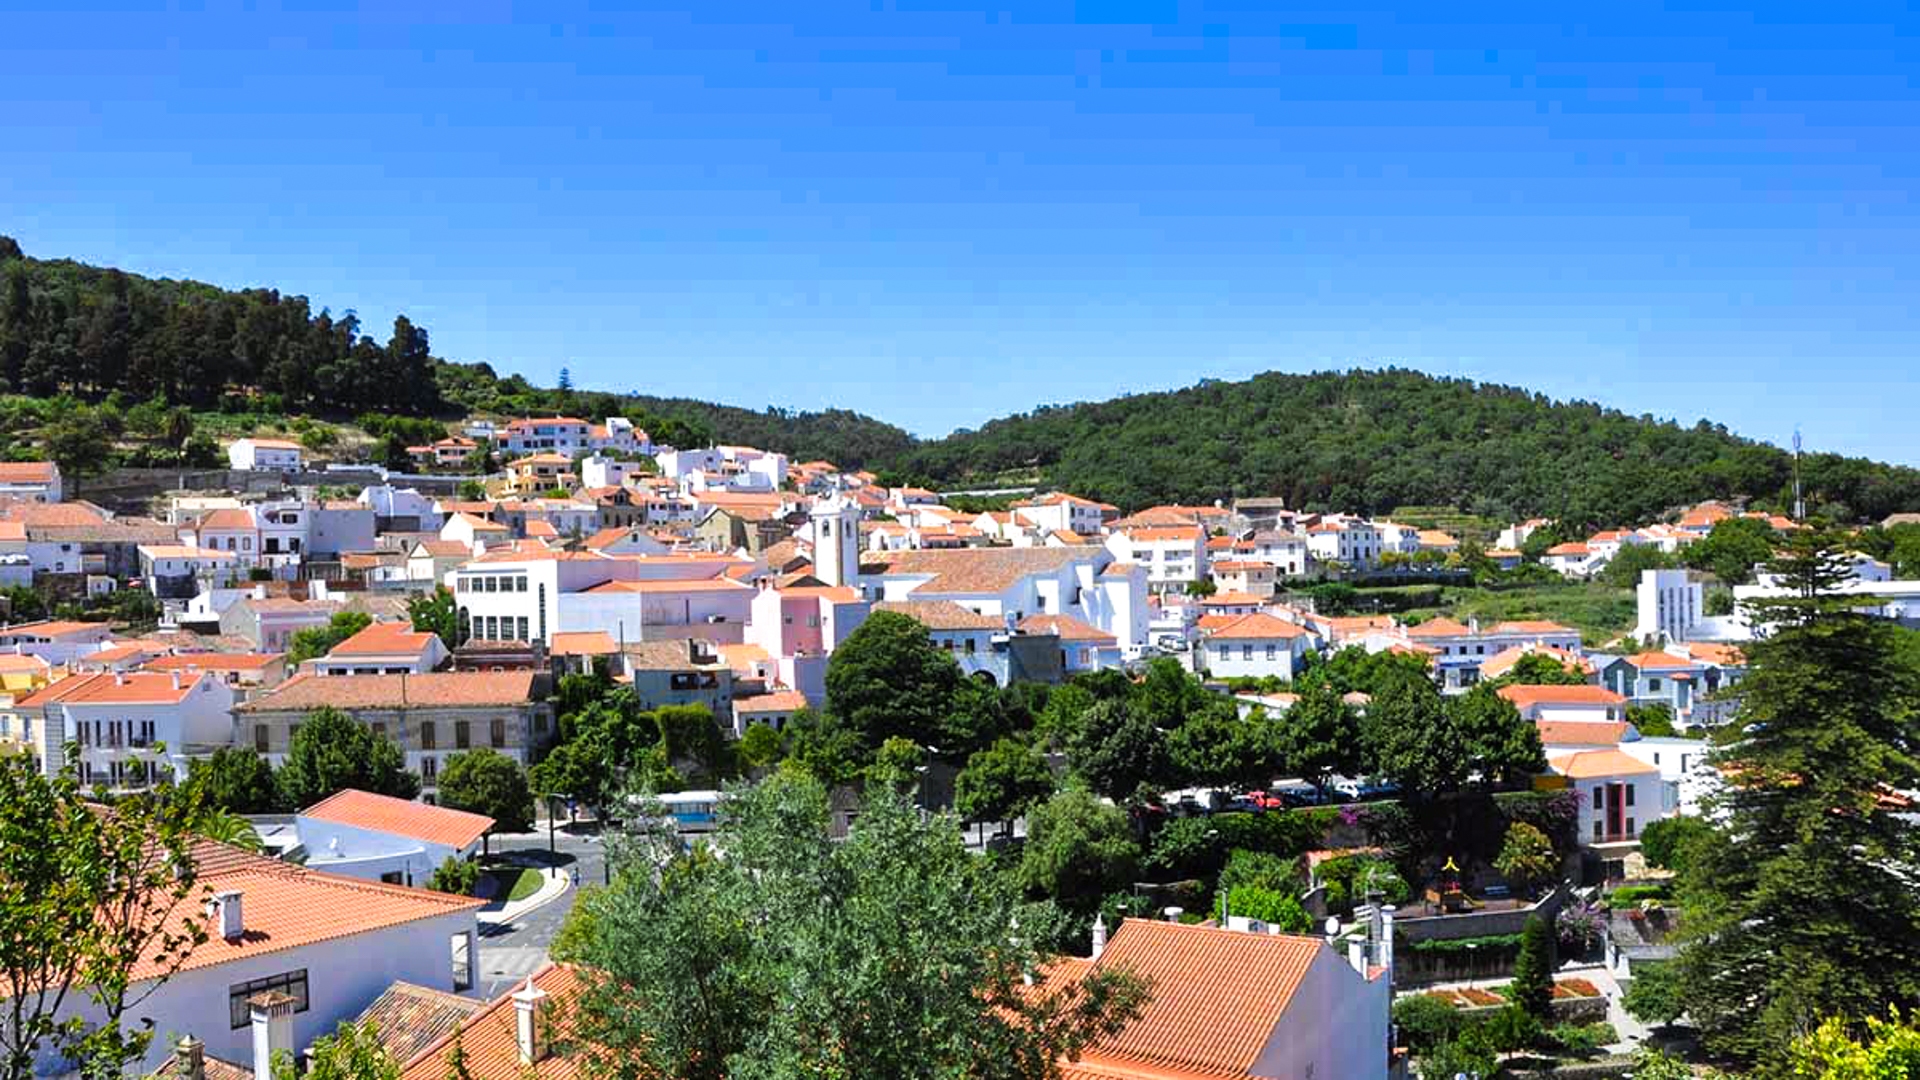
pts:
[1375, 440]
[70, 328]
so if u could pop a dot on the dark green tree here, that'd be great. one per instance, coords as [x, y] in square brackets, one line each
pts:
[485, 781]
[1412, 738]
[434, 613]
[1666, 842]
[1078, 850]
[1216, 748]
[1802, 907]
[1734, 547]
[887, 678]
[1532, 988]
[332, 752]
[319, 640]
[893, 953]
[237, 780]
[1654, 995]
[1120, 754]
[1001, 782]
[1539, 669]
[1318, 737]
[1502, 746]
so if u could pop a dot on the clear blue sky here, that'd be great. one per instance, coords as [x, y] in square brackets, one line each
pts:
[939, 215]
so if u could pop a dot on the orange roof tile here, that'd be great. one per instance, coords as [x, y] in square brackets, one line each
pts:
[1660, 661]
[400, 817]
[1502, 662]
[286, 906]
[411, 1018]
[1216, 997]
[212, 661]
[1067, 627]
[26, 472]
[1259, 626]
[1525, 694]
[1150, 534]
[671, 585]
[1592, 764]
[491, 1043]
[110, 688]
[228, 517]
[1569, 549]
[778, 701]
[1582, 732]
[1232, 599]
[1439, 627]
[385, 639]
[583, 643]
[439, 689]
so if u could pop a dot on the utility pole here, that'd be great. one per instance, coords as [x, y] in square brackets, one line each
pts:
[1799, 504]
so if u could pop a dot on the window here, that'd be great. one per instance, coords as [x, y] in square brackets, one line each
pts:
[1653, 685]
[1629, 791]
[393, 877]
[461, 734]
[490, 584]
[1596, 797]
[1246, 652]
[428, 736]
[1598, 832]
[520, 584]
[429, 769]
[293, 983]
[520, 621]
[460, 584]
[1273, 651]
[497, 732]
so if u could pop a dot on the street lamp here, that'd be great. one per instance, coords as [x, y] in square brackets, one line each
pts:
[1472, 967]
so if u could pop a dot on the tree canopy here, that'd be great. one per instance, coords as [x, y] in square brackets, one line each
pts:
[332, 752]
[485, 781]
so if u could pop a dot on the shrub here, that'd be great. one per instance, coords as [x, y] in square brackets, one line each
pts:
[1665, 842]
[1512, 1028]
[1633, 894]
[1349, 877]
[1260, 869]
[1578, 927]
[1582, 1039]
[1653, 997]
[1271, 906]
[1426, 1021]
[456, 876]
[1527, 857]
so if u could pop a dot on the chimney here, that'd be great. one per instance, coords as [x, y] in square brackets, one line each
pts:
[526, 1003]
[1357, 954]
[1173, 914]
[190, 1059]
[176, 679]
[227, 904]
[272, 1014]
[1385, 959]
[1099, 936]
[119, 678]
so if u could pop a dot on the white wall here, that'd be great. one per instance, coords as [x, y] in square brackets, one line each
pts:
[367, 853]
[1335, 1027]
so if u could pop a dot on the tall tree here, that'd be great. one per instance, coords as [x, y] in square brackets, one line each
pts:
[317, 641]
[1503, 747]
[88, 896]
[1803, 906]
[237, 780]
[895, 953]
[332, 752]
[887, 678]
[434, 613]
[1318, 737]
[1411, 736]
[485, 781]
[1001, 782]
[1120, 754]
[1533, 969]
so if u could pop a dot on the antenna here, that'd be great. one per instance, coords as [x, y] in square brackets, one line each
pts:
[1799, 504]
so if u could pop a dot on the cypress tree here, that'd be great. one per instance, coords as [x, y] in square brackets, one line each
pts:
[1533, 970]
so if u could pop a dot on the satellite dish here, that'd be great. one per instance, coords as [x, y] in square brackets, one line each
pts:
[1333, 925]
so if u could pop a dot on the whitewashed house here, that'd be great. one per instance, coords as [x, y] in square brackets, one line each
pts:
[265, 455]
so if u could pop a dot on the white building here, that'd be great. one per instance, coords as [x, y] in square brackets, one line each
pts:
[178, 572]
[1175, 556]
[1285, 552]
[274, 455]
[381, 838]
[30, 481]
[383, 648]
[1083, 581]
[1669, 603]
[601, 472]
[131, 727]
[1256, 646]
[57, 641]
[1618, 794]
[1059, 511]
[1352, 542]
[330, 944]
[565, 435]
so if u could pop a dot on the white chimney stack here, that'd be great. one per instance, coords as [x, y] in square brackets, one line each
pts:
[1357, 954]
[526, 1004]
[176, 680]
[272, 1014]
[1099, 936]
[232, 923]
[1385, 959]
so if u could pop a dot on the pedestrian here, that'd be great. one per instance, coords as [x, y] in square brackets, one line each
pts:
[576, 875]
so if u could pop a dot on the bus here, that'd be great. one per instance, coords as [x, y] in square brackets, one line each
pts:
[692, 811]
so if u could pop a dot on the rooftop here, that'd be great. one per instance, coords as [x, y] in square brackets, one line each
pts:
[439, 689]
[400, 817]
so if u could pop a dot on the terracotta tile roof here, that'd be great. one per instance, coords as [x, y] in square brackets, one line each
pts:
[972, 570]
[1119, 569]
[286, 906]
[1502, 553]
[1232, 599]
[26, 472]
[1436, 538]
[1713, 653]
[1582, 732]
[231, 517]
[541, 530]
[1571, 548]
[1660, 661]
[46, 515]
[583, 643]
[271, 444]
[212, 661]
[1067, 627]
[1215, 999]
[1258, 626]
[491, 1043]
[111, 688]
[211, 1067]
[1154, 534]
[1592, 764]
[439, 689]
[1530, 626]
[778, 701]
[479, 524]
[23, 662]
[1524, 694]
[744, 658]
[1439, 627]
[1237, 566]
[941, 615]
[541, 459]
[400, 817]
[440, 549]
[184, 551]
[54, 629]
[1502, 662]
[671, 585]
[385, 639]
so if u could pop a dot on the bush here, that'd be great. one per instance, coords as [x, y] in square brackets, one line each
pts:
[1665, 842]
[1633, 894]
[1426, 1021]
[1349, 878]
[1272, 906]
[1578, 927]
[457, 876]
[1512, 1028]
[1260, 869]
[1527, 857]
[1583, 1039]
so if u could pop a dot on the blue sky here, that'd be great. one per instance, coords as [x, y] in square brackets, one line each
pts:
[939, 214]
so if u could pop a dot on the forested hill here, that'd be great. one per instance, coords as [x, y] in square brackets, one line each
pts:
[1370, 441]
[70, 328]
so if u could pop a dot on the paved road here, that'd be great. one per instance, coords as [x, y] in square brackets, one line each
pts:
[511, 952]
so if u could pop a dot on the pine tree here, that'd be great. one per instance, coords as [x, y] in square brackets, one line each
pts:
[1804, 906]
[1533, 970]
[566, 381]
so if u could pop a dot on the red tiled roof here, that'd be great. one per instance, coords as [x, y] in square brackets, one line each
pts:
[109, 688]
[227, 517]
[1582, 732]
[26, 472]
[400, 817]
[286, 907]
[1215, 998]
[491, 1043]
[439, 689]
[1439, 627]
[411, 1018]
[1591, 764]
[1569, 549]
[1525, 694]
[384, 639]
[777, 701]
[212, 661]
[1067, 627]
[54, 628]
[1502, 662]
[1660, 661]
[583, 643]
[1530, 626]
[1259, 626]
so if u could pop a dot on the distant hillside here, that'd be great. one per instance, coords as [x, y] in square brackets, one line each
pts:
[70, 328]
[1374, 440]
